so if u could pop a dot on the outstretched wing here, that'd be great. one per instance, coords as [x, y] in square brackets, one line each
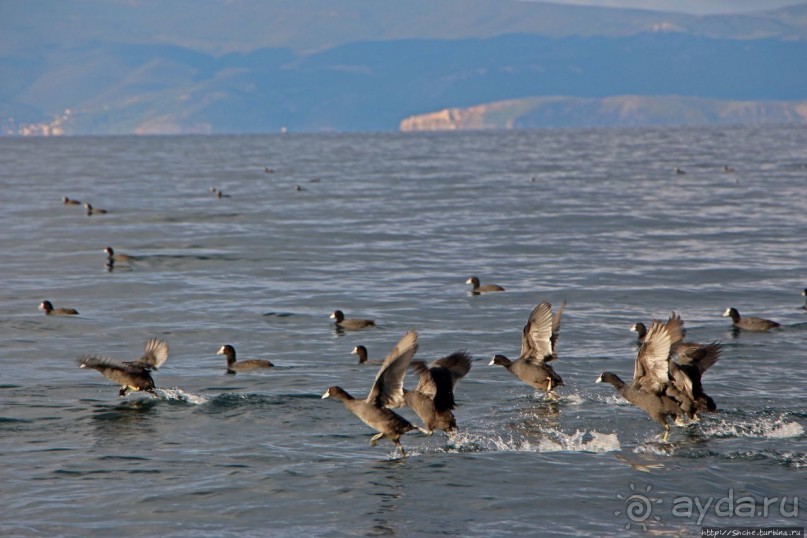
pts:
[556, 327]
[387, 390]
[651, 370]
[155, 354]
[438, 379]
[535, 340]
[121, 373]
[702, 357]
[458, 364]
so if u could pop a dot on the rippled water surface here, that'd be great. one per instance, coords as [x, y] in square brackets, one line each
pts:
[389, 226]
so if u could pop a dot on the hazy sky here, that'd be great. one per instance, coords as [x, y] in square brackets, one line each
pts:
[698, 7]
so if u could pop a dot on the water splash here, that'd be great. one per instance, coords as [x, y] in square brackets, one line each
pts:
[770, 428]
[579, 441]
[553, 441]
[181, 396]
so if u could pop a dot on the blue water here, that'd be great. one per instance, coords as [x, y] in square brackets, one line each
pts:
[389, 227]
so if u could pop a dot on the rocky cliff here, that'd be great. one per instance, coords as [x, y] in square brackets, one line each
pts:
[625, 110]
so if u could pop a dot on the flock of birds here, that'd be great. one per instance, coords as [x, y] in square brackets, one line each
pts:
[666, 384]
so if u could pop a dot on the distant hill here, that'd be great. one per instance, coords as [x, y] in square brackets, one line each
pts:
[620, 111]
[116, 67]
[221, 26]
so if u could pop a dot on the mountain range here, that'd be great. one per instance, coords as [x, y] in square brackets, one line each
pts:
[244, 66]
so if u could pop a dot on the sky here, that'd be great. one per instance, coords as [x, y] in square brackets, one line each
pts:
[696, 7]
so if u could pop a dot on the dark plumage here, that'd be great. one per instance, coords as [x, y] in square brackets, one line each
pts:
[241, 366]
[361, 351]
[476, 289]
[135, 375]
[641, 331]
[93, 210]
[433, 397]
[70, 201]
[47, 308]
[538, 343]
[350, 324]
[804, 293]
[387, 391]
[658, 407]
[653, 388]
[749, 323]
[117, 257]
[686, 372]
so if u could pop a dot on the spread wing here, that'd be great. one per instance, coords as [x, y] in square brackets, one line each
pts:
[458, 364]
[440, 377]
[675, 328]
[651, 370]
[155, 354]
[387, 390]
[702, 357]
[535, 340]
[556, 327]
[117, 372]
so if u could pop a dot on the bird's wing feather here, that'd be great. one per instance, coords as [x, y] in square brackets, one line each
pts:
[536, 343]
[652, 361]
[154, 355]
[118, 372]
[702, 357]
[387, 390]
[556, 327]
[458, 363]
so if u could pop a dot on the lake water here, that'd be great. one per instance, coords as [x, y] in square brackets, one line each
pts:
[389, 227]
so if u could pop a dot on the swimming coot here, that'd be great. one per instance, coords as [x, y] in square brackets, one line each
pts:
[749, 323]
[93, 210]
[47, 308]
[350, 324]
[241, 366]
[476, 289]
[361, 352]
[112, 256]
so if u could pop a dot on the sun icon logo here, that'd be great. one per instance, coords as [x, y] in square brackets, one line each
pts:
[638, 507]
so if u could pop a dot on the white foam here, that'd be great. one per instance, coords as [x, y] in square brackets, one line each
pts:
[770, 428]
[580, 441]
[553, 441]
[180, 395]
[788, 429]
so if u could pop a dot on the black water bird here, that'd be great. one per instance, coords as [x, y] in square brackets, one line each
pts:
[749, 323]
[94, 210]
[47, 308]
[386, 392]
[538, 348]
[433, 397]
[361, 352]
[350, 324]
[641, 331]
[113, 256]
[134, 375]
[476, 288]
[234, 366]
[650, 378]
